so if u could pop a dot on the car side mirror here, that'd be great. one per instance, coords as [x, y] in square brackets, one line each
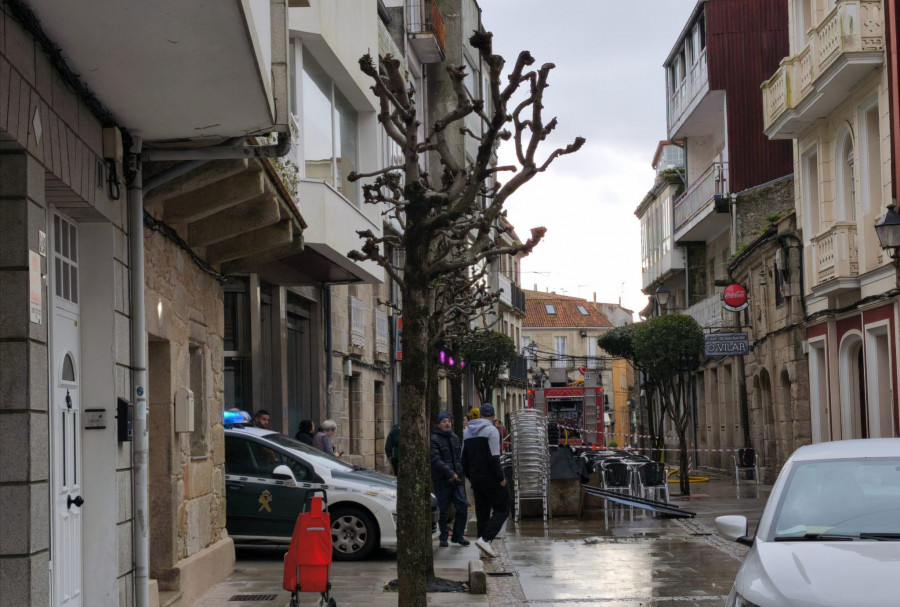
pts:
[734, 528]
[283, 473]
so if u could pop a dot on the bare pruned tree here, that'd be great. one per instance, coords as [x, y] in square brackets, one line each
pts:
[447, 223]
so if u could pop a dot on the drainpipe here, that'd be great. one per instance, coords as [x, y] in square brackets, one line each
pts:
[140, 444]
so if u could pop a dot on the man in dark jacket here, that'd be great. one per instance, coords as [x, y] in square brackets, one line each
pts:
[481, 465]
[446, 475]
[392, 447]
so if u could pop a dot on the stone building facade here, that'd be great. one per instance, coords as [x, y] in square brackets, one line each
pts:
[187, 468]
[776, 373]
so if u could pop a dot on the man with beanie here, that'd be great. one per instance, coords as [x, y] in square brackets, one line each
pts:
[446, 475]
[481, 465]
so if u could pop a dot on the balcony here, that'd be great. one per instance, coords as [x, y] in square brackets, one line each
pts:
[696, 216]
[835, 256]
[511, 295]
[519, 369]
[426, 30]
[843, 50]
[709, 313]
[687, 94]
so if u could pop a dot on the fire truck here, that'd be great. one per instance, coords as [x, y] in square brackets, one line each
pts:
[577, 409]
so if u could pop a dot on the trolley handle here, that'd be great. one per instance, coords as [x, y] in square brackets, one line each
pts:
[309, 497]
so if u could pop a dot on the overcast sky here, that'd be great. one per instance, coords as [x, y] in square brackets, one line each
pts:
[609, 87]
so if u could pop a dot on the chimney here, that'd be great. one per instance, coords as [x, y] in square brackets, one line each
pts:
[535, 286]
[595, 297]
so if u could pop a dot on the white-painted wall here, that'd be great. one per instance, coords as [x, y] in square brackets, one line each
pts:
[107, 504]
[338, 33]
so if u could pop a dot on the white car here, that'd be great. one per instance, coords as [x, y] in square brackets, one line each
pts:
[830, 532]
[269, 476]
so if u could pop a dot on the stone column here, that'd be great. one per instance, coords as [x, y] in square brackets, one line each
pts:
[24, 457]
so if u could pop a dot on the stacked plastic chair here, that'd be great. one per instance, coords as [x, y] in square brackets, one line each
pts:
[530, 459]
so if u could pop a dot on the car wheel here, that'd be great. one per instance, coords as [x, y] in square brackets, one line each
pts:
[354, 534]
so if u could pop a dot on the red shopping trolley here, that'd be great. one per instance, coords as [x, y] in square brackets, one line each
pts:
[307, 564]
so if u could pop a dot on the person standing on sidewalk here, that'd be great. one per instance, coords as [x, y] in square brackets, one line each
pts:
[446, 476]
[481, 465]
[392, 447]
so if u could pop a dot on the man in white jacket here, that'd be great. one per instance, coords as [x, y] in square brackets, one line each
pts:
[481, 465]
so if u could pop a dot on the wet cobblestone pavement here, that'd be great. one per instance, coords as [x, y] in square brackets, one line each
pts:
[633, 560]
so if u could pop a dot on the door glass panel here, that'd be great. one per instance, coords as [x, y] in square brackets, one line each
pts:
[74, 426]
[65, 433]
[68, 371]
[73, 244]
[74, 284]
[58, 276]
[64, 245]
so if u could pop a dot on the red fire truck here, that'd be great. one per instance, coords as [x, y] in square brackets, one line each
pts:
[577, 410]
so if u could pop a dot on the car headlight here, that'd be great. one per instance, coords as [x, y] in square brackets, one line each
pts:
[736, 600]
[387, 496]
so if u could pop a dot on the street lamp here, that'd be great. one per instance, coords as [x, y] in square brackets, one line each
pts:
[662, 297]
[888, 230]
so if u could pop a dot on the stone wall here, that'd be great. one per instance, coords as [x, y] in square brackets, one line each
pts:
[777, 373]
[754, 206]
[361, 403]
[185, 323]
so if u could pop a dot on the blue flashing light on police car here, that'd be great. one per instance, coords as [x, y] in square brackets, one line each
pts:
[234, 417]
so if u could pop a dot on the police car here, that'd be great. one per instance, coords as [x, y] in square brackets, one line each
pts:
[268, 477]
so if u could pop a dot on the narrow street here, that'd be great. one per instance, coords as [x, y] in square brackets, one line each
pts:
[647, 561]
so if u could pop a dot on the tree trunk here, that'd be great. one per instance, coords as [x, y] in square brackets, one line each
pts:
[432, 391]
[682, 425]
[685, 481]
[415, 565]
[456, 402]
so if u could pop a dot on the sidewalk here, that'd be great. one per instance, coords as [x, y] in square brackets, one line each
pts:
[645, 561]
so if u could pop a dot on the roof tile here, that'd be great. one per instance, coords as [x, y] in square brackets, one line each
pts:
[567, 313]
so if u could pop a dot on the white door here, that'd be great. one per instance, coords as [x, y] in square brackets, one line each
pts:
[65, 422]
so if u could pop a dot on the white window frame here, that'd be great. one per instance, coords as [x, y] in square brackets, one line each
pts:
[357, 322]
[381, 332]
[337, 184]
[559, 349]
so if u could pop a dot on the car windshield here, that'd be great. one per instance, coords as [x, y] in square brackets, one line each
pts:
[840, 500]
[317, 457]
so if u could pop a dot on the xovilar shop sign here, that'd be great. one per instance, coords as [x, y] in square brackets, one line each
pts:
[726, 344]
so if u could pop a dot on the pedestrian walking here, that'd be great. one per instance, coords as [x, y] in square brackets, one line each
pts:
[481, 465]
[504, 435]
[305, 432]
[446, 476]
[324, 438]
[392, 446]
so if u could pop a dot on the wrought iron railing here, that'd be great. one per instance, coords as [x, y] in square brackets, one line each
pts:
[423, 17]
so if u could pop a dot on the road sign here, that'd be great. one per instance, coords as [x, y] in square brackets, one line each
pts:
[726, 344]
[735, 297]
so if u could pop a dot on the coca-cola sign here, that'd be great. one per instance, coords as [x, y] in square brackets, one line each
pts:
[735, 297]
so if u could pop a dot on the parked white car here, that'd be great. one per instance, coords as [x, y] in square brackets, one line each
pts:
[269, 476]
[830, 532]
